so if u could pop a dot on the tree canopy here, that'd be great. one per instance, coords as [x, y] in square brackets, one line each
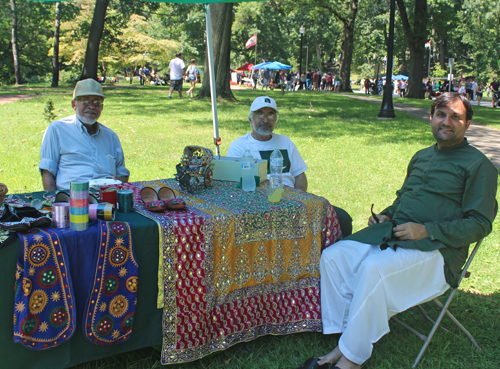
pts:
[137, 32]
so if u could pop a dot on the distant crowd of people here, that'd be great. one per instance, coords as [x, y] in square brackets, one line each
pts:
[312, 80]
[469, 88]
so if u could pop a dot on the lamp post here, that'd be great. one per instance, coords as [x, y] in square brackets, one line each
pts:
[428, 45]
[387, 108]
[301, 31]
[307, 58]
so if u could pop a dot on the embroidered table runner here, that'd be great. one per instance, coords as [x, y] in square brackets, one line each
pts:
[235, 266]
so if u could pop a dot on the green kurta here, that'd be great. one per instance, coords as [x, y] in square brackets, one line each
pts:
[452, 192]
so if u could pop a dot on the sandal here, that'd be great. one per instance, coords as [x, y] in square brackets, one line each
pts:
[148, 194]
[175, 204]
[171, 202]
[150, 198]
[165, 193]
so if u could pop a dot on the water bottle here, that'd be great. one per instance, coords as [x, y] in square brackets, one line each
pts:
[276, 180]
[247, 172]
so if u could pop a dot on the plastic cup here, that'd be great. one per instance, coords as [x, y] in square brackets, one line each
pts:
[274, 193]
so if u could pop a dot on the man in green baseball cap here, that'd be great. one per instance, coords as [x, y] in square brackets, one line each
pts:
[78, 148]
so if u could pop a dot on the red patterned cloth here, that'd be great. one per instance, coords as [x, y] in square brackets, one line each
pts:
[236, 267]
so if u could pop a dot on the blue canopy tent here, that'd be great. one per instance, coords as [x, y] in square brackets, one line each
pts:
[261, 65]
[398, 76]
[272, 66]
[278, 66]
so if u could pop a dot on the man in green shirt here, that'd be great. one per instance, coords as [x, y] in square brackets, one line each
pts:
[414, 249]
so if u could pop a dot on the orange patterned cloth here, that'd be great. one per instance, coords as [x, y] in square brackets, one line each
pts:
[235, 266]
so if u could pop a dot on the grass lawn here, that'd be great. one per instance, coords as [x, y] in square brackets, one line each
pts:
[354, 160]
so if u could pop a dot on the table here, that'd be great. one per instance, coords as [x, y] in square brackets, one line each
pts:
[234, 268]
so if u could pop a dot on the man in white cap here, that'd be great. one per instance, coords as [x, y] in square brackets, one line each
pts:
[78, 148]
[262, 141]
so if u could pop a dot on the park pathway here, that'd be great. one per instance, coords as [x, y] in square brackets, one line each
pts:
[486, 139]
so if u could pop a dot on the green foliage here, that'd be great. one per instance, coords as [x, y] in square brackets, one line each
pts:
[438, 72]
[48, 111]
[34, 31]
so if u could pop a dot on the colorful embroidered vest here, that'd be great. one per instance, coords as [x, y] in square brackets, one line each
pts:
[110, 308]
[44, 311]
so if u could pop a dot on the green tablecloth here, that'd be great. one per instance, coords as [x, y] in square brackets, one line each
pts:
[147, 327]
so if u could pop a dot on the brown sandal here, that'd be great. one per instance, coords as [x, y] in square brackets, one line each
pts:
[166, 193]
[148, 194]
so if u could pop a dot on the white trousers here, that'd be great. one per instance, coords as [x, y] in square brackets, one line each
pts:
[362, 287]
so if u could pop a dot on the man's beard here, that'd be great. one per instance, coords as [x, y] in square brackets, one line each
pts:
[83, 119]
[263, 129]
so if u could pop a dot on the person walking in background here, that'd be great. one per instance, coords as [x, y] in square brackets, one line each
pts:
[303, 81]
[176, 67]
[468, 89]
[479, 93]
[141, 80]
[366, 85]
[494, 86]
[266, 79]
[474, 88]
[309, 77]
[191, 74]
[255, 77]
[316, 78]
[402, 88]
[289, 77]
[337, 83]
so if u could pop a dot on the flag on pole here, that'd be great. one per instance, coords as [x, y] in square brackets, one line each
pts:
[252, 41]
[428, 45]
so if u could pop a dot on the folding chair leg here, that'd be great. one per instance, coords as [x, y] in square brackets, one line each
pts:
[428, 318]
[415, 332]
[460, 326]
[434, 328]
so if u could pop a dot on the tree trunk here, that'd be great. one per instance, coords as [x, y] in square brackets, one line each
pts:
[417, 37]
[346, 46]
[443, 50]
[348, 19]
[55, 57]
[92, 52]
[222, 14]
[318, 54]
[15, 46]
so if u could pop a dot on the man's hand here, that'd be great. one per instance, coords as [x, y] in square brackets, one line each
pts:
[381, 219]
[124, 179]
[410, 232]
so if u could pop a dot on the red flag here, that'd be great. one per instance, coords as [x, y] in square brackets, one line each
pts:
[252, 41]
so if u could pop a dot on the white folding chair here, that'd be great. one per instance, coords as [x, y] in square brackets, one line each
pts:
[444, 310]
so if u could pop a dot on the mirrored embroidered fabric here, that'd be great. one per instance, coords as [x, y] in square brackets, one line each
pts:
[236, 267]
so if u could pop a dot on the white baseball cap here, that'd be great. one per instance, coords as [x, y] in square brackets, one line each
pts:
[88, 87]
[263, 102]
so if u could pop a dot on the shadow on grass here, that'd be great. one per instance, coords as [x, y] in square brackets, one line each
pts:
[397, 349]
[316, 115]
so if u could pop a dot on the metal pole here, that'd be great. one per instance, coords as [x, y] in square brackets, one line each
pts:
[255, 53]
[387, 108]
[307, 58]
[429, 64]
[450, 79]
[300, 70]
[213, 96]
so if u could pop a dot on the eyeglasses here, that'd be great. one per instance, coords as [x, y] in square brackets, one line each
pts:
[261, 115]
[85, 102]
